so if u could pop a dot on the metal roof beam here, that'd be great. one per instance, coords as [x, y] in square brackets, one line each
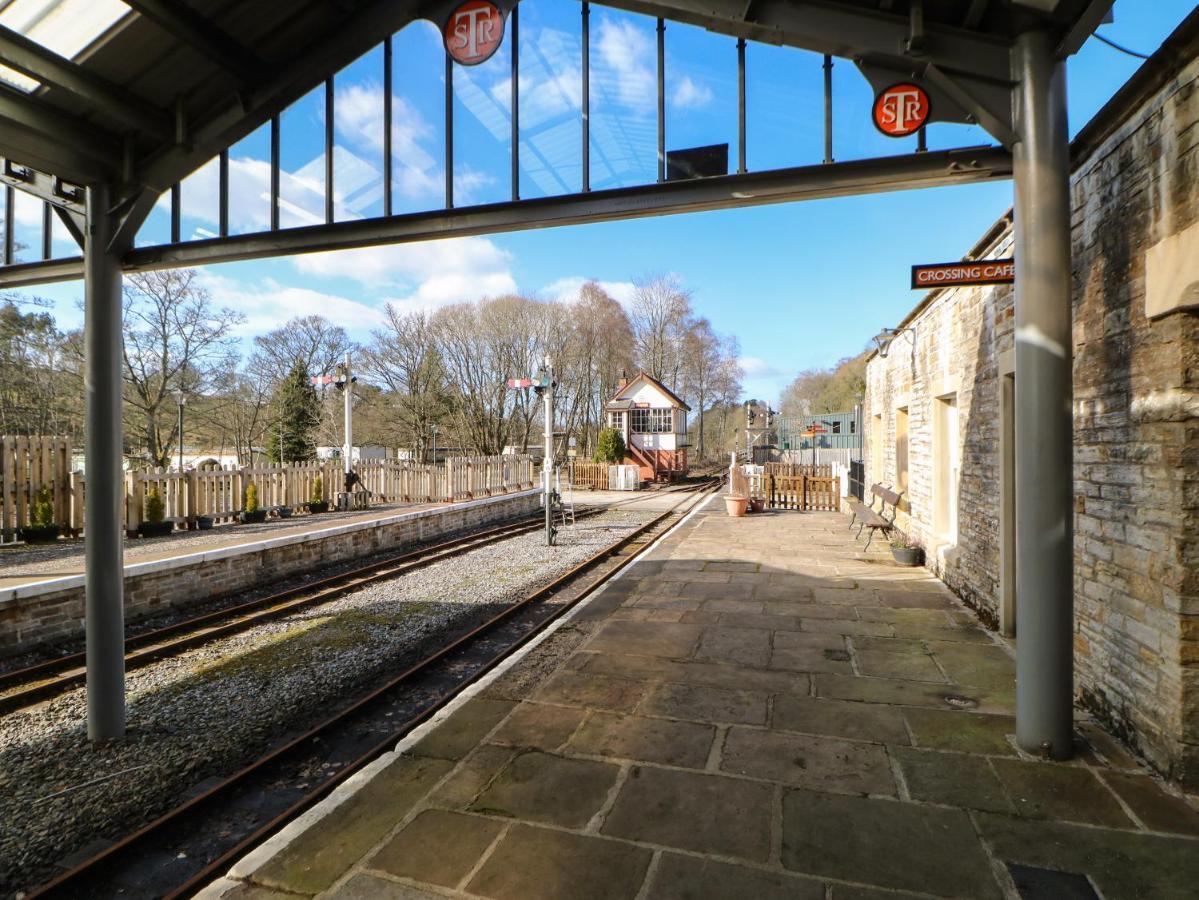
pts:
[1092, 17]
[288, 82]
[69, 135]
[820, 181]
[39, 184]
[37, 114]
[836, 29]
[32, 59]
[200, 33]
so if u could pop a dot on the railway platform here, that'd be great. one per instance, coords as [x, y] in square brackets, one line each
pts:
[756, 708]
[41, 589]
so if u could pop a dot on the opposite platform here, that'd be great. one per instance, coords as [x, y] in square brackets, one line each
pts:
[42, 601]
[758, 709]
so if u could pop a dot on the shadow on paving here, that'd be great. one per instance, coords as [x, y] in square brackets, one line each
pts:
[758, 710]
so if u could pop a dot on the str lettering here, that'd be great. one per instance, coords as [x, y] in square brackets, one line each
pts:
[901, 108]
[473, 32]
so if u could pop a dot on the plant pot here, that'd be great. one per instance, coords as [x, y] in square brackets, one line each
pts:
[736, 506]
[39, 534]
[257, 517]
[908, 556]
[155, 529]
[318, 506]
[284, 512]
[757, 504]
[205, 523]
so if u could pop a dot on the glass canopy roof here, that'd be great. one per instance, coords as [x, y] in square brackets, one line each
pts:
[68, 27]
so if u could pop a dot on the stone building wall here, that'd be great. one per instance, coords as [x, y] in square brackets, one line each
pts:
[1135, 187]
[951, 346]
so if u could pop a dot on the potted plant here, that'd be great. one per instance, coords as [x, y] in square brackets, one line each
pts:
[735, 504]
[317, 502]
[153, 525]
[251, 514]
[905, 551]
[42, 529]
[757, 504]
[205, 523]
[283, 512]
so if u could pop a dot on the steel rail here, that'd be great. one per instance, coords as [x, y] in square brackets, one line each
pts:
[147, 647]
[54, 676]
[74, 878]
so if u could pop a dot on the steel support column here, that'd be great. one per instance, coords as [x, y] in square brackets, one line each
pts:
[1044, 421]
[104, 567]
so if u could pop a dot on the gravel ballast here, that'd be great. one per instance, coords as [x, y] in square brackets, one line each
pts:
[205, 713]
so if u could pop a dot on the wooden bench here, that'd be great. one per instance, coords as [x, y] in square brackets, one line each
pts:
[869, 517]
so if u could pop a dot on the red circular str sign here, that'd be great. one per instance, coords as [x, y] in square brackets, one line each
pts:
[901, 109]
[473, 32]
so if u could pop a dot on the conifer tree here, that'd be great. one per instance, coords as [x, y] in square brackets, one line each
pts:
[297, 412]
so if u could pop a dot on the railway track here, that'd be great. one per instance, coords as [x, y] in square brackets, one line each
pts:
[25, 687]
[179, 852]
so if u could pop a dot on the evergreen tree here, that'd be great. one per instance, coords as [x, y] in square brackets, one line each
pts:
[297, 413]
[610, 447]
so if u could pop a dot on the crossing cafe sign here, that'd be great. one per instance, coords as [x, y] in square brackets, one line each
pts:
[473, 31]
[957, 274]
[901, 110]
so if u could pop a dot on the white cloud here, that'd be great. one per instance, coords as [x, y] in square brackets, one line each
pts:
[267, 304]
[689, 95]
[623, 68]
[566, 290]
[401, 264]
[756, 367]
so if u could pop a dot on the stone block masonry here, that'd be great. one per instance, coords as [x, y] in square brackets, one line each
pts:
[52, 610]
[1135, 190]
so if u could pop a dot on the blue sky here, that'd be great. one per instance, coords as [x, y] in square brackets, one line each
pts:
[801, 284]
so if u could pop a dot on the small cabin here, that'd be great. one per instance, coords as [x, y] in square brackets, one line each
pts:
[653, 421]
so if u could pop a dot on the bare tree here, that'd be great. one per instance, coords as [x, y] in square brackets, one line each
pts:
[605, 341]
[477, 366]
[174, 340]
[405, 361]
[711, 373]
[660, 314]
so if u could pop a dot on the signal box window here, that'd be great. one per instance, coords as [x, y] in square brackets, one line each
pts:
[651, 421]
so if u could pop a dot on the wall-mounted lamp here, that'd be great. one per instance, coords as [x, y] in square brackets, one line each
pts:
[883, 340]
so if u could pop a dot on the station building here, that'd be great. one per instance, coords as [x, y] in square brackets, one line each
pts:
[940, 425]
[653, 421]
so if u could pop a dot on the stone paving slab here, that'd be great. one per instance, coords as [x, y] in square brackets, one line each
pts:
[759, 709]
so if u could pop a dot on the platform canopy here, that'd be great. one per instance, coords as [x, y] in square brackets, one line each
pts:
[106, 105]
[138, 94]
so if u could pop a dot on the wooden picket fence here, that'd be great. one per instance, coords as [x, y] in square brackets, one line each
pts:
[803, 492]
[28, 464]
[820, 470]
[590, 475]
[220, 493]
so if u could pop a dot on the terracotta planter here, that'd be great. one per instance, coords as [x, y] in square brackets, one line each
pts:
[736, 506]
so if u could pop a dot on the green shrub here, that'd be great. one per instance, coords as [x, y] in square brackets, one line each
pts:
[610, 446]
[43, 509]
[251, 498]
[155, 508]
[318, 490]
